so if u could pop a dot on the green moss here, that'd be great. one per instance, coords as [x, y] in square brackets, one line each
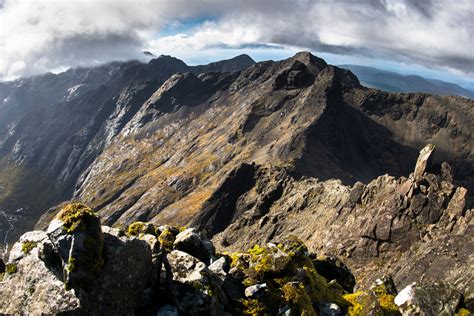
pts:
[167, 239]
[356, 308]
[463, 312]
[294, 247]
[11, 268]
[256, 251]
[298, 299]
[27, 246]
[254, 307]
[76, 216]
[2, 275]
[387, 304]
[71, 265]
[135, 229]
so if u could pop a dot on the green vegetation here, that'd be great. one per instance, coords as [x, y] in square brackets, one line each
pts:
[463, 312]
[11, 268]
[166, 239]
[27, 246]
[76, 217]
[292, 281]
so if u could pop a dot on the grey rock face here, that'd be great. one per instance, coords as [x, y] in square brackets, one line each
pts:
[423, 161]
[428, 299]
[193, 283]
[191, 241]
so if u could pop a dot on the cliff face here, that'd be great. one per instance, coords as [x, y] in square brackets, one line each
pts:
[252, 156]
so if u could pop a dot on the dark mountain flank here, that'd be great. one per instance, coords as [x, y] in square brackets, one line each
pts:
[248, 153]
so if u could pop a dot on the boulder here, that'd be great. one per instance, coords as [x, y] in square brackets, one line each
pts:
[220, 267]
[2, 266]
[195, 287]
[42, 281]
[194, 243]
[36, 285]
[428, 299]
[77, 237]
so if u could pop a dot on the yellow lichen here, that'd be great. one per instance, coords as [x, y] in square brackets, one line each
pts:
[463, 312]
[75, 216]
[11, 268]
[387, 304]
[298, 299]
[27, 246]
[137, 228]
[254, 307]
[166, 239]
[356, 308]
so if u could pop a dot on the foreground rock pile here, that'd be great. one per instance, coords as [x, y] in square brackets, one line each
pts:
[78, 266]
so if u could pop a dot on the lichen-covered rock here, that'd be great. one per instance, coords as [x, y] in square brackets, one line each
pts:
[138, 228]
[428, 299]
[39, 280]
[195, 287]
[36, 286]
[332, 268]
[77, 236]
[194, 243]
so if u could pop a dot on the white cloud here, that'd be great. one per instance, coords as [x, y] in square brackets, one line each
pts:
[39, 35]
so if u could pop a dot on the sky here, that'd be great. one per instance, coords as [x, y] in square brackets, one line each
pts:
[431, 38]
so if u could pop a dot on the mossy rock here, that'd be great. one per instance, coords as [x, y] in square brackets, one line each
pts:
[76, 217]
[463, 312]
[27, 246]
[139, 228]
[167, 238]
[295, 285]
[298, 299]
[11, 268]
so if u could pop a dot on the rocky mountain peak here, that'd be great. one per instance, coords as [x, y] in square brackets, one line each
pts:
[247, 153]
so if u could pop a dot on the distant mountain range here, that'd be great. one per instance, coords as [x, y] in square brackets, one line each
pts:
[394, 82]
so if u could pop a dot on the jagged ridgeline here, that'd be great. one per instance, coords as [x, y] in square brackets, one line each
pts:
[79, 266]
[246, 154]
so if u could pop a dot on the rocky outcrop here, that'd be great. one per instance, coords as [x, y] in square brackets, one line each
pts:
[411, 228]
[144, 272]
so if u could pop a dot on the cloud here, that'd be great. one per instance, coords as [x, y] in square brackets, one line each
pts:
[39, 35]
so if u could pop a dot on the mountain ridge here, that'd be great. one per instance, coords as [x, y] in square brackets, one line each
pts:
[394, 82]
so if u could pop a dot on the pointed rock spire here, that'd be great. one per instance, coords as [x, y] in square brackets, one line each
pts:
[423, 160]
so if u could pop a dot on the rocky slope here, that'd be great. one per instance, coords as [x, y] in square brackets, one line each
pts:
[76, 266]
[295, 147]
[52, 127]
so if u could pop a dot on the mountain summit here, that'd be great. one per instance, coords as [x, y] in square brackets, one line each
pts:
[246, 153]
